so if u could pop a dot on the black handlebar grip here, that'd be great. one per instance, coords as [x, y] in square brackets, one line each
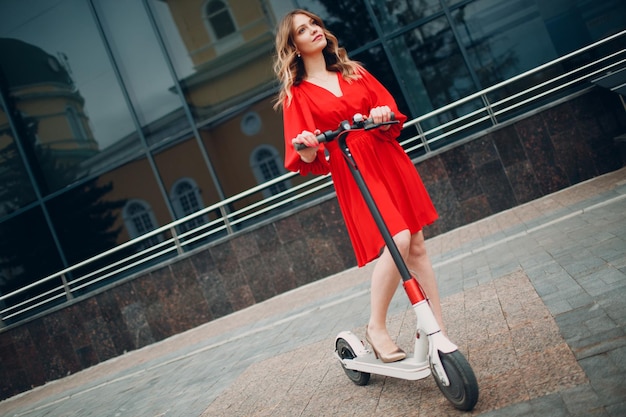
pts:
[320, 138]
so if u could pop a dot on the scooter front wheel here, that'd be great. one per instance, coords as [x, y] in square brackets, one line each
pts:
[463, 389]
[345, 351]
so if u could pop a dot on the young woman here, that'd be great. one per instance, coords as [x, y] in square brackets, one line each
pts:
[320, 87]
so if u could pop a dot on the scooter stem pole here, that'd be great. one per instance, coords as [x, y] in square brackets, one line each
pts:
[371, 204]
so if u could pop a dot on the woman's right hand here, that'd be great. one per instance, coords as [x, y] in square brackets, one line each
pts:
[308, 154]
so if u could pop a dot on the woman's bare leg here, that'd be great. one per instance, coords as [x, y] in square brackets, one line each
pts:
[385, 280]
[419, 263]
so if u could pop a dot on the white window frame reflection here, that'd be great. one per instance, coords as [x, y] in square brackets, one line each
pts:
[266, 165]
[139, 219]
[229, 41]
[186, 199]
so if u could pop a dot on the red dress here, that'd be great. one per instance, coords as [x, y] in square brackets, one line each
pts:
[387, 170]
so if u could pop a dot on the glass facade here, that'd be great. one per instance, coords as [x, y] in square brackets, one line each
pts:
[118, 117]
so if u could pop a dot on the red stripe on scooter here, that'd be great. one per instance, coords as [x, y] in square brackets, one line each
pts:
[413, 291]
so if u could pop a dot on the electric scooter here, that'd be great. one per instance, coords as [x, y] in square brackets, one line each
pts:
[433, 353]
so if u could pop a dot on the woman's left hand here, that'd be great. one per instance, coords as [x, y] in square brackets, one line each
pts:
[381, 114]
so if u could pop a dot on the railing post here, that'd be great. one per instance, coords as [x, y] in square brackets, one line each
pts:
[487, 104]
[66, 287]
[422, 136]
[224, 214]
[2, 307]
[179, 247]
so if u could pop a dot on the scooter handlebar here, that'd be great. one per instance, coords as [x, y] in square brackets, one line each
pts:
[359, 124]
[321, 138]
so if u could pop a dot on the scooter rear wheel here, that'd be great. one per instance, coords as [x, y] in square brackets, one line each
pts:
[345, 351]
[463, 389]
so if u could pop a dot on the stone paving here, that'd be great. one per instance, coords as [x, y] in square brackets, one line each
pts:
[502, 327]
[535, 297]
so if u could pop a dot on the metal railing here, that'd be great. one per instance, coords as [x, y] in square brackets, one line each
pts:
[504, 102]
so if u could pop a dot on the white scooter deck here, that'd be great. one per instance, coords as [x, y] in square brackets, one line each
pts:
[409, 368]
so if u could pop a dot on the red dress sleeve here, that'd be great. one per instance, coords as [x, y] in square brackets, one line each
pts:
[380, 96]
[296, 118]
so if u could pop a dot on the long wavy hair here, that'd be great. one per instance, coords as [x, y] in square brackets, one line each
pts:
[289, 68]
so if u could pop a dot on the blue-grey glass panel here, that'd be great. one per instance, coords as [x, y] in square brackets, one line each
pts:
[15, 186]
[144, 69]
[503, 38]
[101, 214]
[393, 14]
[434, 73]
[26, 259]
[218, 74]
[87, 219]
[60, 71]
[346, 19]
[431, 66]
[172, 31]
[506, 38]
[576, 23]
[375, 61]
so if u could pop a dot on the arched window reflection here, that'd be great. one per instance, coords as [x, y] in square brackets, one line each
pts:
[222, 26]
[220, 20]
[139, 220]
[186, 200]
[266, 165]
